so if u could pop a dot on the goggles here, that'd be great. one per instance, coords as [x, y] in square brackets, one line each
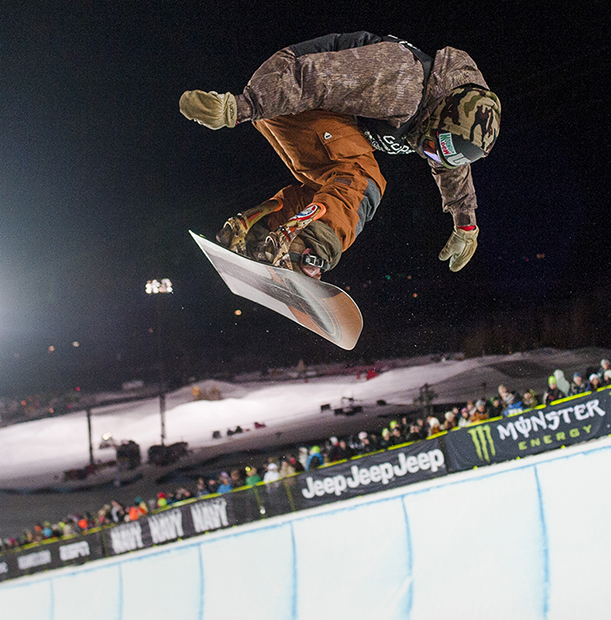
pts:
[450, 150]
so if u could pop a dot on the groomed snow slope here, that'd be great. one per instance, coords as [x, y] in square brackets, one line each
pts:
[30, 453]
[527, 539]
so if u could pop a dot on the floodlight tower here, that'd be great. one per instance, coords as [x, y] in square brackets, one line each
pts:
[157, 287]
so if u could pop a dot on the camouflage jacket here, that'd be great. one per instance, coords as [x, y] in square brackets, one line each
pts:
[369, 77]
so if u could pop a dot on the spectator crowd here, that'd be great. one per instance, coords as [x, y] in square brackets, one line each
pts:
[407, 429]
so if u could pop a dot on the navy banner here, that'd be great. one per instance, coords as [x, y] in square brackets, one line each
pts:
[184, 521]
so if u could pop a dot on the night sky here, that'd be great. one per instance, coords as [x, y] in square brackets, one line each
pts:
[101, 178]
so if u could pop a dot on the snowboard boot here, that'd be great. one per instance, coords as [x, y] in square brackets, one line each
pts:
[279, 241]
[303, 260]
[233, 234]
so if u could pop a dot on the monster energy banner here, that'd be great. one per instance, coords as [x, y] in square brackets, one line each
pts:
[384, 470]
[567, 422]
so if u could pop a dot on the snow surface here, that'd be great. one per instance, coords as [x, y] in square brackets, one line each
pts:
[34, 453]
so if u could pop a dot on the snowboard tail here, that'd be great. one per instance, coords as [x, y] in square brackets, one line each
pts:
[318, 306]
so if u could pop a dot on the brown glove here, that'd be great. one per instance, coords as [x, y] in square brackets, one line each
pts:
[209, 109]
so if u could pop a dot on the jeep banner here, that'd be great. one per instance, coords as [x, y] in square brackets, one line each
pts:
[570, 421]
[376, 472]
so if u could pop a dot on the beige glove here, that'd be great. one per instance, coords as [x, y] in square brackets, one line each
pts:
[209, 109]
[460, 248]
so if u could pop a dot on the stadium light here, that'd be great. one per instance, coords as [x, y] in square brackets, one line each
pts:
[155, 287]
[158, 286]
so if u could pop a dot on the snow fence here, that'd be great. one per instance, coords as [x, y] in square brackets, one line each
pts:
[528, 539]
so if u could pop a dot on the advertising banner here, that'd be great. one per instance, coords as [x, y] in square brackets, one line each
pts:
[375, 472]
[43, 556]
[569, 421]
[192, 518]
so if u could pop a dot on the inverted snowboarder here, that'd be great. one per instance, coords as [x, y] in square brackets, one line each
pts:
[325, 105]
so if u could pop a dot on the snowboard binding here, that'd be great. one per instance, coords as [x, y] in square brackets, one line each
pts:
[233, 234]
[278, 242]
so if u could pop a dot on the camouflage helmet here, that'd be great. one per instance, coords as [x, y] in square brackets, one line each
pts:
[465, 126]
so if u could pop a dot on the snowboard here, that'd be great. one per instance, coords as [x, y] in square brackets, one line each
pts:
[318, 306]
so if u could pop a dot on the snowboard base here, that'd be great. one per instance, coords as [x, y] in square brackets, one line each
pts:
[318, 306]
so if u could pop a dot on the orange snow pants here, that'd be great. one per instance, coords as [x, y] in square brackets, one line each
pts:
[331, 158]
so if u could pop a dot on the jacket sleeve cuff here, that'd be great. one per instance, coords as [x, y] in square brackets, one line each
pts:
[244, 108]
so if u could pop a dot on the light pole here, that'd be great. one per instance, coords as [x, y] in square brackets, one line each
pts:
[156, 287]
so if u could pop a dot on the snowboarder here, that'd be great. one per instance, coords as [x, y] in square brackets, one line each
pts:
[325, 105]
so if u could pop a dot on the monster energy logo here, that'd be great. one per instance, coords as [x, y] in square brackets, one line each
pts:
[484, 444]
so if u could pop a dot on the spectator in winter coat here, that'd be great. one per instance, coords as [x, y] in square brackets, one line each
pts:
[413, 433]
[141, 505]
[296, 463]
[272, 474]
[237, 480]
[495, 408]
[385, 441]
[345, 452]
[605, 366]
[594, 383]
[224, 485]
[396, 436]
[449, 421]
[286, 469]
[252, 477]
[182, 494]
[530, 400]
[103, 518]
[334, 450]
[553, 392]
[470, 407]
[423, 428]
[563, 385]
[578, 386]
[464, 418]
[364, 446]
[434, 425]
[201, 489]
[303, 457]
[374, 441]
[480, 413]
[508, 398]
[314, 459]
[117, 512]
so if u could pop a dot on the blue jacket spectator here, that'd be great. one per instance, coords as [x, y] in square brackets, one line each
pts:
[314, 458]
[224, 483]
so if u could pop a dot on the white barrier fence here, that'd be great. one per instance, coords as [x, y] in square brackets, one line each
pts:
[526, 539]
